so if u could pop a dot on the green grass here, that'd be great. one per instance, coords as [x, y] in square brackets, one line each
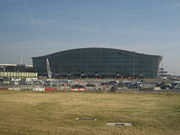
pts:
[37, 113]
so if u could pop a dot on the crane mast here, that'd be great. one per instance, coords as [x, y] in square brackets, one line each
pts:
[48, 69]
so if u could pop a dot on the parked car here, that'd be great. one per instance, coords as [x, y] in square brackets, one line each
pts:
[177, 86]
[166, 85]
[78, 87]
[90, 85]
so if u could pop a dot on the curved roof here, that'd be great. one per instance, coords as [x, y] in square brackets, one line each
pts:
[97, 48]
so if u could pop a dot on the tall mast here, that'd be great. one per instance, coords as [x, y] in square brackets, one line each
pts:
[48, 69]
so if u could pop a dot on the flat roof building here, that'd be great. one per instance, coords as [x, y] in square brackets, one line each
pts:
[17, 71]
[102, 62]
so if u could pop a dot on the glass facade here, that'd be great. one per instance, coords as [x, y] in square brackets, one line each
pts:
[104, 62]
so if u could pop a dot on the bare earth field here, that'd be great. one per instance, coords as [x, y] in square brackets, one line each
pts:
[37, 113]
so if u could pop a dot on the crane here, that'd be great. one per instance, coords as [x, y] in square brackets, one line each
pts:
[48, 69]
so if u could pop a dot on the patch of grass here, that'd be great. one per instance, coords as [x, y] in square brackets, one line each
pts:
[34, 113]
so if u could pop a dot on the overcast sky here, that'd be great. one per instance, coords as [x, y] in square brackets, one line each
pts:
[37, 27]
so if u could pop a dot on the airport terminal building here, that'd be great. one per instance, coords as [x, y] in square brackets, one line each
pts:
[97, 62]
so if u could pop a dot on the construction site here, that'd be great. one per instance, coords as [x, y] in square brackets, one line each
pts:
[77, 70]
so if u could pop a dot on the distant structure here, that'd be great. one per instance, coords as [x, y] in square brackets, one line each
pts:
[14, 71]
[162, 73]
[97, 62]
